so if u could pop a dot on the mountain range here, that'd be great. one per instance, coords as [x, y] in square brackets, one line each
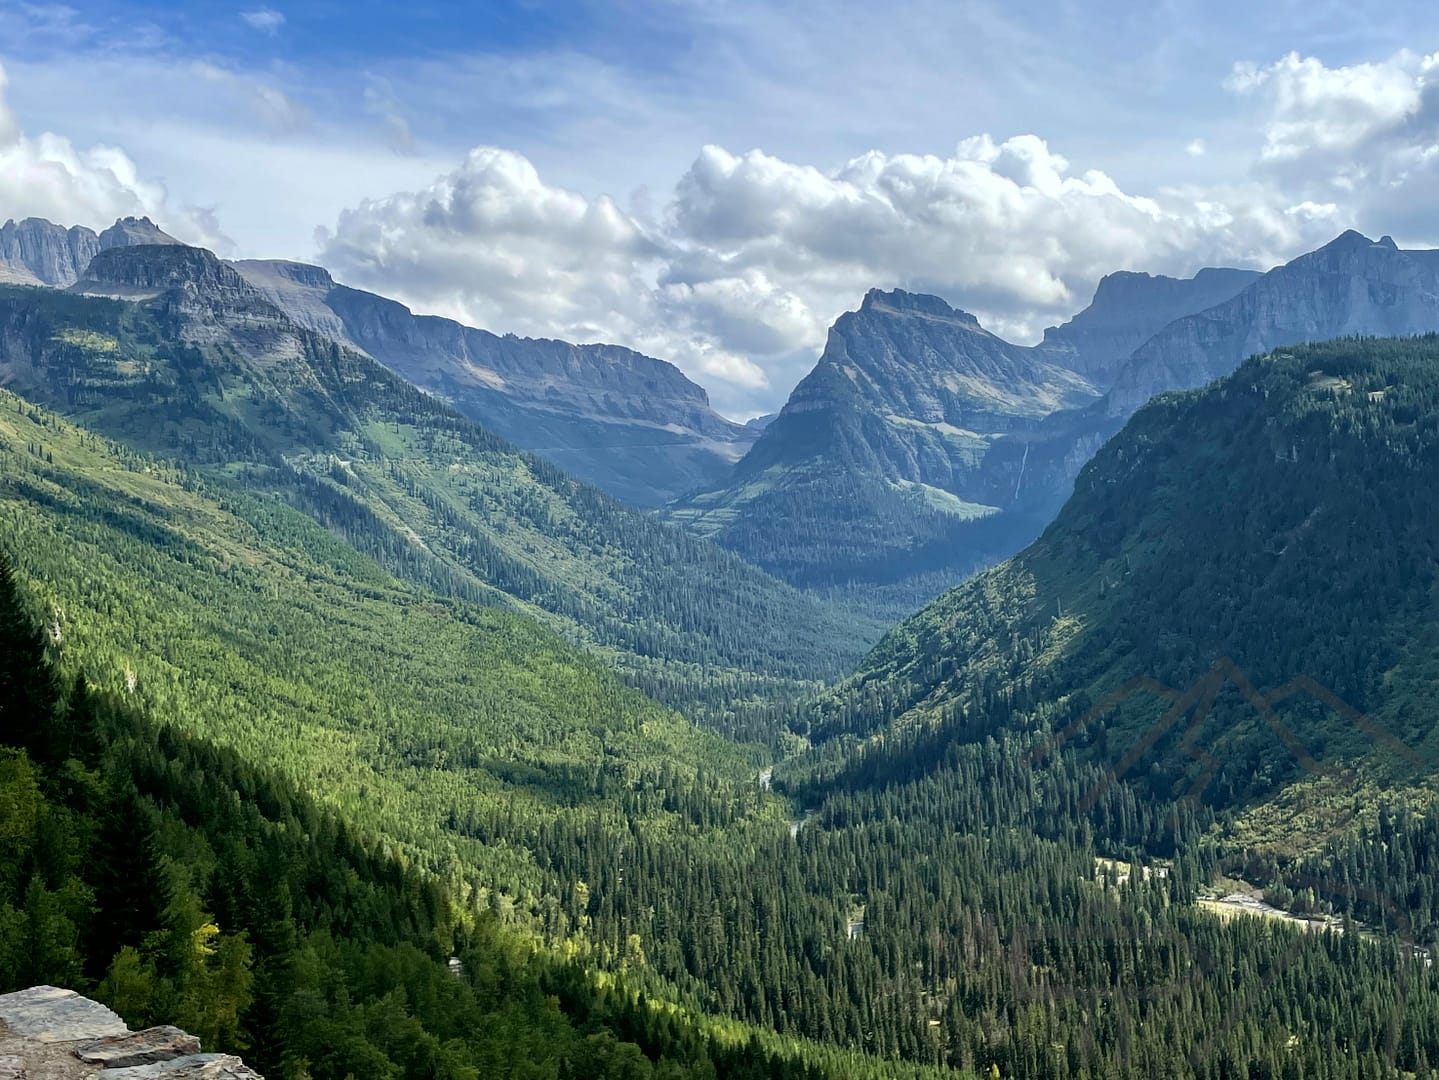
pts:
[38, 252]
[921, 447]
[351, 735]
[874, 464]
[171, 350]
[632, 425]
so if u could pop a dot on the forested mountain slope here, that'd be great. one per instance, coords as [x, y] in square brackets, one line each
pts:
[181, 883]
[239, 618]
[932, 907]
[950, 919]
[632, 425]
[170, 350]
[1275, 526]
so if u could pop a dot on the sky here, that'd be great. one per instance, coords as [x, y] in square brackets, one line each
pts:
[714, 183]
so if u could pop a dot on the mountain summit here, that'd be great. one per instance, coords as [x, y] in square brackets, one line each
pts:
[1127, 310]
[870, 468]
[39, 252]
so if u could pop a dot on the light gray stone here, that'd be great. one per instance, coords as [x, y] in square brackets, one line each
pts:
[191, 1067]
[49, 1014]
[39, 252]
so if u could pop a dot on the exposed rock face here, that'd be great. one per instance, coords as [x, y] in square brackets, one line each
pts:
[47, 1033]
[628, 423]
[146, 1047]
[205, 297]
[918, 389]
[37, 252]
[882, 444]
[1127, 310]
[1351, 286]
[48, 1014]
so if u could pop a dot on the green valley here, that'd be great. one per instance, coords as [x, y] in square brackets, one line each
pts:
[195, 364]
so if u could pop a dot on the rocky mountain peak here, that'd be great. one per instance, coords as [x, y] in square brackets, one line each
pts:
[1128, 309]
[133, 231]
[156, 268]
[39, 252]
[907, 303]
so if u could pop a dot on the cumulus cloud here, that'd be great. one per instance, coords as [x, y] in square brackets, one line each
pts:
[48, 176]
[1363, 135]
[738, 276]
[266, 20]
[1316, 110]
[494, 244]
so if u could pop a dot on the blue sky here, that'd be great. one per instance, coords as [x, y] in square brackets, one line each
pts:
[714, 183]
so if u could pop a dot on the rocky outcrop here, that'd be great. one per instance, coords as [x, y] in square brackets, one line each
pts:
[628, 423]
[202, 297]
[38, 252]
[47, 1033]
[1127, 310]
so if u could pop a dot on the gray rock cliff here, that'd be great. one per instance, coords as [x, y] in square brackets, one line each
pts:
[1127, 310]
[628, 423]
[38, 252]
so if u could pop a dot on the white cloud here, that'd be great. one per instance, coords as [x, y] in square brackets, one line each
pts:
[1195, 148]
[1365, 136]
[739, 275]
[1319, 110]
[48, 176]
[266, 20]
[266, 102]
[380, 102]
[494, 244]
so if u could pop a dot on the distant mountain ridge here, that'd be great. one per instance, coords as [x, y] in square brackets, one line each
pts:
[634, 426]
[171, 350]
[956, 450]
[1127, 310]
[37, 252]
[1350, 287]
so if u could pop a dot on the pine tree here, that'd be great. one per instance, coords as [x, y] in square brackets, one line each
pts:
[131, 885]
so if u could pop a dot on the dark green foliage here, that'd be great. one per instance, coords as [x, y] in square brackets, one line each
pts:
[293, 939]
[958, 802]
[1278, 525]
